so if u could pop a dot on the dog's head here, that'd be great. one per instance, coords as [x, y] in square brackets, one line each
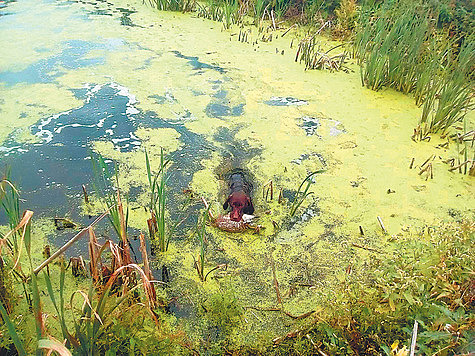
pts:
[240, 204]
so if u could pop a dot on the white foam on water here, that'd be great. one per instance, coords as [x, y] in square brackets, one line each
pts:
[47, 135]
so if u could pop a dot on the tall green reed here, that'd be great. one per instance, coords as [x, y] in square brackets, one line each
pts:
[451, 96]
[303, 193]
[157, 185]
[225, 11]
[389, 48]
[259, 8]
[106, 184]
[10, 201]
[203, 243]
[397, 47]
[280, 7]
[173, 5]
[230, 12]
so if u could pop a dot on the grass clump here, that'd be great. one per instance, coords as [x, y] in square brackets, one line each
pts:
[157, 185]
[398, 46]
[226, 11]
[106, 184]
[448, 97]
[92, 321]
[428, 280]
[389, 47]
[173, 5]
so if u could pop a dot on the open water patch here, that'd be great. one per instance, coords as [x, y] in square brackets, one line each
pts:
[336, 128]
[310, 125]
[197, 65]
[52, 171]
[106, 8]
[220, 105]
[73, 56]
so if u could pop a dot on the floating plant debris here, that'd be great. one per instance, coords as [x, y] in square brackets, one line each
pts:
[285, 101]
[305, 156]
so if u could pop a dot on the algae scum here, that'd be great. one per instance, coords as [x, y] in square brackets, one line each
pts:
[101, 76]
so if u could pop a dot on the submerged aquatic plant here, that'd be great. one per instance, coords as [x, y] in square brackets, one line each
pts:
[301, 195]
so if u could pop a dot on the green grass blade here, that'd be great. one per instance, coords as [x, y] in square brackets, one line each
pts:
[11, 331]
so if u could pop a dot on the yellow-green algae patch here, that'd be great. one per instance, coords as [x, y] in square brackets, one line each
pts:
[23, 105]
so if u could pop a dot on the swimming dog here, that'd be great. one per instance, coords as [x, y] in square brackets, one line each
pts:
[239, 198]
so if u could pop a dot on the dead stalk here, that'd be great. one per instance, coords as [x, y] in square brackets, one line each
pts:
[276, 283]
[84, 191]
[69, 243]
[382, 225]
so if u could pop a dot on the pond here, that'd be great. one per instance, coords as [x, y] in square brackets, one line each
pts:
[117, 77]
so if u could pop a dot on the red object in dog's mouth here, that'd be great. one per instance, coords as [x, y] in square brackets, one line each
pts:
[235, 215]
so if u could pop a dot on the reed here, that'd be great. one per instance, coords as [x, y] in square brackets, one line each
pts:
[280, 7]
[396, 47]
[260, 7]
[210, 11]
[157, 185]
[311, 52]
[226, 11]
[203, 242]
[10, 202]
[303, 193]
[12, 331]
[389, 48]
[346, 15]
[230, 12]
[102, 302]
[106, 185]
[450, 99]
[173, 5]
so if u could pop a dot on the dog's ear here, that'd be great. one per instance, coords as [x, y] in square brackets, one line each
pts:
[225, 205]
[249, 208]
